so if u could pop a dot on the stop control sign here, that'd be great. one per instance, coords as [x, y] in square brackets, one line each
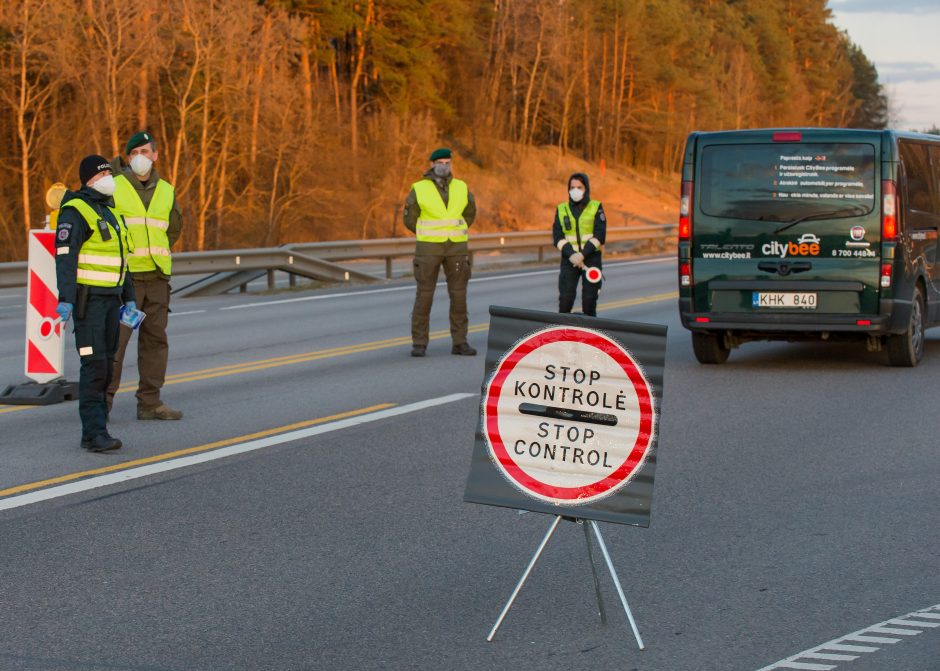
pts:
[568, 416]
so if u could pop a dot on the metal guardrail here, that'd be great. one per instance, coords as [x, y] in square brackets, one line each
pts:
[227, 269]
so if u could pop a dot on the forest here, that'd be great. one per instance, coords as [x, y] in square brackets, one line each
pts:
[300, 120]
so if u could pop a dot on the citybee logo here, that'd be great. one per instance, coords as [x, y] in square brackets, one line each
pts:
[807, 245]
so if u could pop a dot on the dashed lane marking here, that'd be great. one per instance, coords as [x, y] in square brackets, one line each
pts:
[866, 641]
[169, 461]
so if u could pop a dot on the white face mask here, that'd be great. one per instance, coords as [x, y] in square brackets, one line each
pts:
[576, 195]
[104, 186]
[141, 164]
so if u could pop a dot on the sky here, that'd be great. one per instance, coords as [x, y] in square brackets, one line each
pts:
[902, 39]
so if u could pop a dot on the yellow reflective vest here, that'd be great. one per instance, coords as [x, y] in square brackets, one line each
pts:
[101, 263]
[438, 222]
[579, 231]
[147, 226]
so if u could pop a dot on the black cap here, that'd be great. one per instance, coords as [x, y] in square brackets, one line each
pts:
[91, 166]
[442, 152]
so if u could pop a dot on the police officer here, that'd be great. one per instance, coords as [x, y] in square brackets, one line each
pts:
[91, 271]
[579, 232]
[439, 209]
[154, 222]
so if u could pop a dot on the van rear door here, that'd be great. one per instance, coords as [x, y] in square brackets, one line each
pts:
[786, 224]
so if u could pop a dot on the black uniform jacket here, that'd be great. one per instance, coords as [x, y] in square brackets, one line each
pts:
[71, 233]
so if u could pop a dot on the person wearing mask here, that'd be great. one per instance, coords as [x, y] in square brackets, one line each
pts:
[579, 232]
[148, 204]
[439, 210]
[92, 248]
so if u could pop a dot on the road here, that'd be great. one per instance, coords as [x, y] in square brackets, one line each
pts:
[796, 503]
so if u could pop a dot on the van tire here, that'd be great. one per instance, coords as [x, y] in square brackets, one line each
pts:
[710, 348]
[906, 349]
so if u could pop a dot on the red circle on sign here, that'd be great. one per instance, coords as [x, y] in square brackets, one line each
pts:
[45, 329]
[593, 275]
[520, 477]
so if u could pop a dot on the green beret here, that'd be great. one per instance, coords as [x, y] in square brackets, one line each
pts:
[443, 152]
[138, 139]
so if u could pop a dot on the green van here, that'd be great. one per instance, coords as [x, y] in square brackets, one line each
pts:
[812, 233]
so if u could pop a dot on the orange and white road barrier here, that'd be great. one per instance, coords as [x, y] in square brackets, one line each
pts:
[45, 349]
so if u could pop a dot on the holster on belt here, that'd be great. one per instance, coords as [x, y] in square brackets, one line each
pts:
[81, 301]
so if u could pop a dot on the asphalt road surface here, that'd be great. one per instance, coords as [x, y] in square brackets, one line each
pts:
[307, 512]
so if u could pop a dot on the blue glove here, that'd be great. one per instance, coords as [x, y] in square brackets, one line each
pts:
[64, 310]
[131, 306]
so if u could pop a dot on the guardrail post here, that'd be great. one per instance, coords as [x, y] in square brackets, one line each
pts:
[243, 288]
[388, 267]
[541, 254]
[292, 279]
[270, 279]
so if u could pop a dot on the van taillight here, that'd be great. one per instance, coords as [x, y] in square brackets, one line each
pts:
[685, 274]
[885, 275]
[789, 136]
[889, 211]
[685, 211]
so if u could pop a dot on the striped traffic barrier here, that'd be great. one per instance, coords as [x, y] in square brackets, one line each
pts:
[45, 347]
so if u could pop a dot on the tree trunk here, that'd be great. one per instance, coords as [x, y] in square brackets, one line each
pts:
[588, 134]
[256, 103]
[523, 136]
[361, 34]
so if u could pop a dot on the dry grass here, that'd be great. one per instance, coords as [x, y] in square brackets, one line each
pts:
[523, 195]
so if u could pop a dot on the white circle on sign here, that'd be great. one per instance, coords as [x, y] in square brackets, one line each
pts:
[568, 416]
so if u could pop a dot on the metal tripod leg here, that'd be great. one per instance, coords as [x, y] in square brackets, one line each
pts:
[515, 593]
[613, 574]
[597, 585]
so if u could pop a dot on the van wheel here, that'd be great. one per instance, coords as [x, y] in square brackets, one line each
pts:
[710, 348]
[907, 348]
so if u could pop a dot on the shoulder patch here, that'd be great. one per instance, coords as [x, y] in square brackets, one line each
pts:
[64, 232]
[603, 216]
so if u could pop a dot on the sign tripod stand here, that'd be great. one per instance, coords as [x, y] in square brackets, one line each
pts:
[597, 587]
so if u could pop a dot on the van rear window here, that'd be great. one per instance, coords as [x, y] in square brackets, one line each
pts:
[777, 182]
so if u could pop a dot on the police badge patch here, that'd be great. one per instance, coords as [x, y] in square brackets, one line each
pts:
[65, 230]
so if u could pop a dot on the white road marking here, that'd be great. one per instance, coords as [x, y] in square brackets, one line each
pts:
[318, 298]
[873, 639]
[220, 453]
[190, 312]
[369, 292]
[893, 630]
[850, 648]
[917, 621]
[554, 271]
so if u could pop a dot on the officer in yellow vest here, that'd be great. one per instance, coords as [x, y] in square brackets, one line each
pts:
[578, 232]
[153, 220]
[439, 210]
[92, 248]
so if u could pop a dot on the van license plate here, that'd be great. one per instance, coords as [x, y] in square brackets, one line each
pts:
[779, 299]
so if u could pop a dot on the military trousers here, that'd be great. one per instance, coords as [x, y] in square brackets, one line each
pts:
[96, 339]
[568, 277]
[457, 273]
[153, 298]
